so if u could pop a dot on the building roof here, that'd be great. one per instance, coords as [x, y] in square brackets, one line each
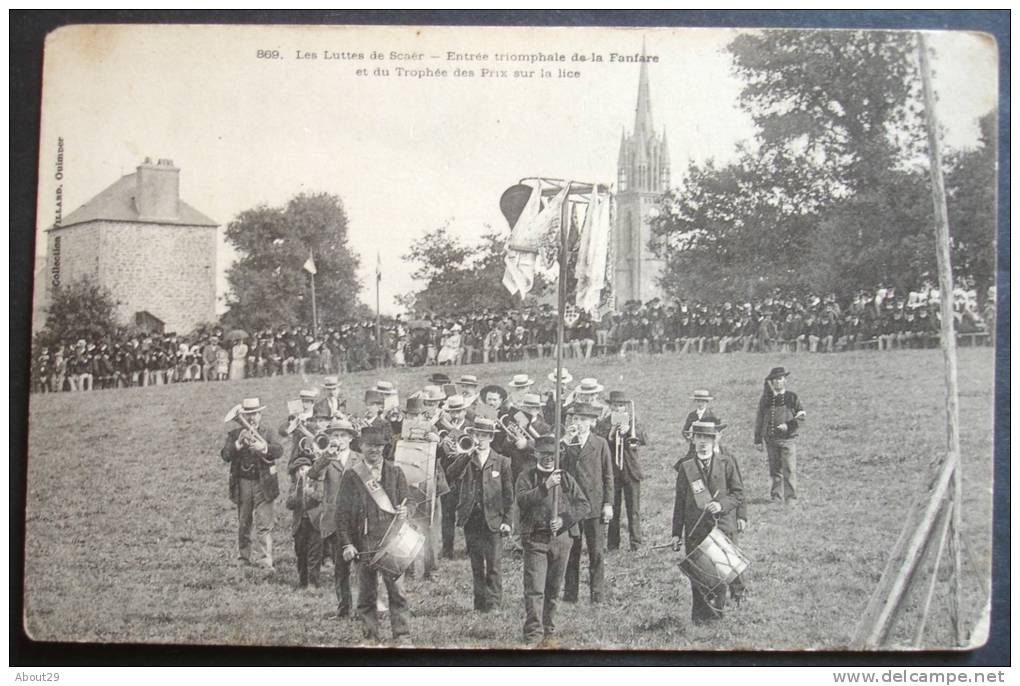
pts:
[117, 203]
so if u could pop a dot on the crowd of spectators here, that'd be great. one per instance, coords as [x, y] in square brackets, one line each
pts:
[881, 319]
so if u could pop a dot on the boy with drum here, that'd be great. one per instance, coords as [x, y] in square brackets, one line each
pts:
[709, 493]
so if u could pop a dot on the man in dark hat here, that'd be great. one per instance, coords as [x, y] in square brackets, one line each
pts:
[546, 547]
[330, 467]
[485, 496]
[372, 493]
[779, 417]
[624, 437]
[709, 493]
[588, 460]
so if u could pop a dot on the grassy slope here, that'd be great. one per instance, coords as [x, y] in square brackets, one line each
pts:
[131, 536]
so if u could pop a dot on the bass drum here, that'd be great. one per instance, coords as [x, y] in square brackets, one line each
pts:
[398, 548]
[715, 562]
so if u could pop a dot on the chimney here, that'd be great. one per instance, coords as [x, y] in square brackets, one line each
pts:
[159, 189]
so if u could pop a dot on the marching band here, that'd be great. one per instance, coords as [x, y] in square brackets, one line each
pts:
[368, 491]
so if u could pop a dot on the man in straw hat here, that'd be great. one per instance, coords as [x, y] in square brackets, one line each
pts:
[253, 481]
[454, 422]
[332, 400]
[372, 493]
[549, 411]
[485, 497]
[709, 493]
[330, 467]
[588, 460]
[546, 547]
[776, 424]
[701, 413]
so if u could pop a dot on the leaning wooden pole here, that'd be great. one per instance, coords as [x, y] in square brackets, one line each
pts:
[945, 269]
[943, 529]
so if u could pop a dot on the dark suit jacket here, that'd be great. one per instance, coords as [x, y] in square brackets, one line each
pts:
[775, 410]
[692, 417]
[535, 501]
[331, 473]
[250, 459]
[359, 520]
[631, 470]
[496, 481]
[322, 406]
[592, 466]
[723, 481]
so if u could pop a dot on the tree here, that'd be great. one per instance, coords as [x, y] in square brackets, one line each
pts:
[827, 196]
[80, 310]
[268, 285]
[971, 190]
[459, 277]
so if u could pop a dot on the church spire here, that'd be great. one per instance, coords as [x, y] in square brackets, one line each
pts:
[643, 114]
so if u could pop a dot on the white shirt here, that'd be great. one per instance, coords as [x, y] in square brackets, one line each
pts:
[343, 457]
[482, 457]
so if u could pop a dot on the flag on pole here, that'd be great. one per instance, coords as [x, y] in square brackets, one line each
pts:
[593, 254]
[534, 242]
[309, 265]
[378, 267]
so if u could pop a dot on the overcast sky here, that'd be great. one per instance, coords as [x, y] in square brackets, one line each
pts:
[405, 154]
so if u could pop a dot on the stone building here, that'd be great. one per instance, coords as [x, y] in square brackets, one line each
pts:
[642, 177]
[154, 252]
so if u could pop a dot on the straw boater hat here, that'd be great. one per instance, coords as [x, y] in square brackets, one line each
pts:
[702, 394]
[707, 428]
[531, 400]
[251, 406]
[468, 380]
[456, 403]
[565, 376]
[331, 382]
[309, 393]
[341, 424]
[432, 393]
[481, 425]
[589, 385]
[584, 410]
[521, 381]
[386, 387]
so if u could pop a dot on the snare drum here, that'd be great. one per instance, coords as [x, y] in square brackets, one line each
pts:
[716, 561]
[398, 548]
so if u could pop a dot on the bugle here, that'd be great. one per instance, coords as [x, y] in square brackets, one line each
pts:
[466, 444]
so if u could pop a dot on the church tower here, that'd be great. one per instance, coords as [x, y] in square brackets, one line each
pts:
[642, 178]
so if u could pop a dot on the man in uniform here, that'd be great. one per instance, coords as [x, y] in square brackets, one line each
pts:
[546, 547]
[588, 460]
[253, 482]
[372, 494]
[709, 493]
[330, 467]
[486, 495]
[779, 417]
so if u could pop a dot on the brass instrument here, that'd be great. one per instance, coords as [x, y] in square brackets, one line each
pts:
[511, 427]
[466, 444]
[249, 436]
[311, 442]
[394, 415]
[573, 436]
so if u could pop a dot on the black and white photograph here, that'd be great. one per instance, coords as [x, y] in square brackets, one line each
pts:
[516, 338]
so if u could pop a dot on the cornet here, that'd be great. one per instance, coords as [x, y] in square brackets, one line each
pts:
[466, 444]
[249, 436]
[511, 427]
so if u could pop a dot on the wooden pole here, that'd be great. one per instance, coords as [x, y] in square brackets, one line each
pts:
[561, 305]
[315, 317]
[378, 320]
[946, 520]
[945, 269]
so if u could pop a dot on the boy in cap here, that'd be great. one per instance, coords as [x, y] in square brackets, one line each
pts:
[588, 460]
[709, 493]
[303, 500]
[777, 422]
[329, 468]
[253, 482]
[485, 497]
[372, 493]
[546, 547]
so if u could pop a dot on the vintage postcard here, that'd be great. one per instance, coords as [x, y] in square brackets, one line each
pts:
[526, 338]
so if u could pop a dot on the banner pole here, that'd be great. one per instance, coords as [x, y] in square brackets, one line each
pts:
[315, 318]
[561, 304]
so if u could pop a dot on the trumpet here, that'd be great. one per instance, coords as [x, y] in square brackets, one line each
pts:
[394, 415]
[466, 444]
[313, 443]
[249, 436]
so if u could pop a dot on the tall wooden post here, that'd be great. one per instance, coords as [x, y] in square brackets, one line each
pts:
[945, 269]
[561, 305]
[315, 316]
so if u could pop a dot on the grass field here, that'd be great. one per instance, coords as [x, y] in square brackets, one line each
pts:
[131, 538]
